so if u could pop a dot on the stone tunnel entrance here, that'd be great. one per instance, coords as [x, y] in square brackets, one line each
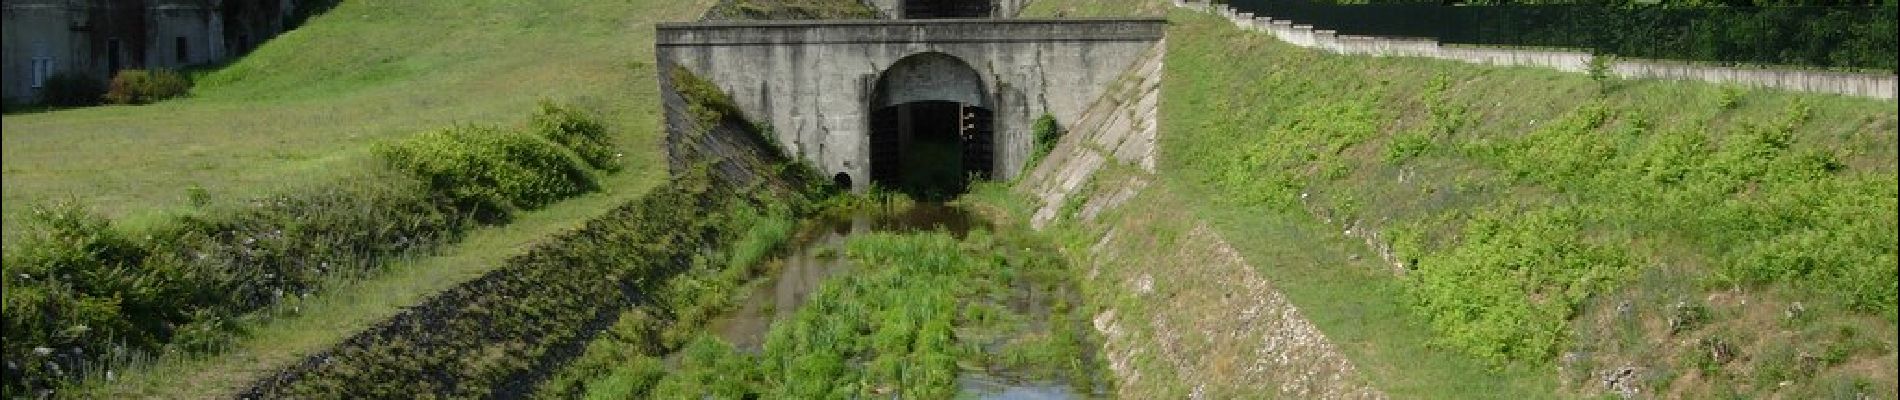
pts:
[932, 130]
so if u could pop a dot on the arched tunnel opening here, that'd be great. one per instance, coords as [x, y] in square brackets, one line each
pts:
[926, 9]
[932, 149]
[932, 130]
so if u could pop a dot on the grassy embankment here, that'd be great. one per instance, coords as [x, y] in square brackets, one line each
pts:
[1712, 240]
[672, 254]
[503, 333]
[304, 108]
[358, 76]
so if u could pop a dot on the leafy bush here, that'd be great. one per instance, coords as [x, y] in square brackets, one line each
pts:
[137, 86]
[80, 292]
[579, 132]
[70, 89]
[1508, 289]
[1047, 134]
[488, 171]
[707, 102]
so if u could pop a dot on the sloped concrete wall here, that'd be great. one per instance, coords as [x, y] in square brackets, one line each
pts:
[1880, 86]
[812, 81]
[1246, 340]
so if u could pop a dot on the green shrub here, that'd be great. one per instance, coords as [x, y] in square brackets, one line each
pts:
[1600, 69]
[71, 89]
[579, 132]
[488, 171]
[69, 281]
[137, 86]
[1507, 291]
[1047, 134]
[81, 289]
[707, 102]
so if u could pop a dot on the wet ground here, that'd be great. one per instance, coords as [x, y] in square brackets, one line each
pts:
[816, 255]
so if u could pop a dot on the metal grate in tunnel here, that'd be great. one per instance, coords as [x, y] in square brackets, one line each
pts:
[928, 9]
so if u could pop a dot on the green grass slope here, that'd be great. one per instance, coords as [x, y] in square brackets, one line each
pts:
[303, 111]
[1682, 239]
[304, 107]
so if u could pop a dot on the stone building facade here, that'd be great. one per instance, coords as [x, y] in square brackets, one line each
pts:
[96, 38]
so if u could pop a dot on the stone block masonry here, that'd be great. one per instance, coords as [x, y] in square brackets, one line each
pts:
[813, 82]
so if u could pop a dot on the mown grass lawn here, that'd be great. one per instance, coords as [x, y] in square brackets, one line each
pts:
[304, 108]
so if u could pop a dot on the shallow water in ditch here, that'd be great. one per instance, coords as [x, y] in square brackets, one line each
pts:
[816, 254]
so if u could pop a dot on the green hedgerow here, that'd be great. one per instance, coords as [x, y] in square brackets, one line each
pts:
[578, 131]
[137, 86]
[489, 171]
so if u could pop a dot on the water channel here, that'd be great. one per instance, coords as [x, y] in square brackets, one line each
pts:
[816, 255]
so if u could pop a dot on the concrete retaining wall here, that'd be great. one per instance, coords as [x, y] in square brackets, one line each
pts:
[1880, 86]
[1246, 339]
[813, 81]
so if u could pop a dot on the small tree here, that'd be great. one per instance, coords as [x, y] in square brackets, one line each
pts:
[1599, 70]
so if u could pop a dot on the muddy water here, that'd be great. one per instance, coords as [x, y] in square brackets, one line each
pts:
[817, 254]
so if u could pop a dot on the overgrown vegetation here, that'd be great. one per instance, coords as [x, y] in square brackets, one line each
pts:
[305, 107]
[623, 361]
[495, 335]
[68, 89]
[1047, 133]
[489, 172]
[920, 310]
[1525, 204]
[84, 296]
[138, 86]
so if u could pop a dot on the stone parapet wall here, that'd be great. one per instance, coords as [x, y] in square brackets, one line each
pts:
[813, 82]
